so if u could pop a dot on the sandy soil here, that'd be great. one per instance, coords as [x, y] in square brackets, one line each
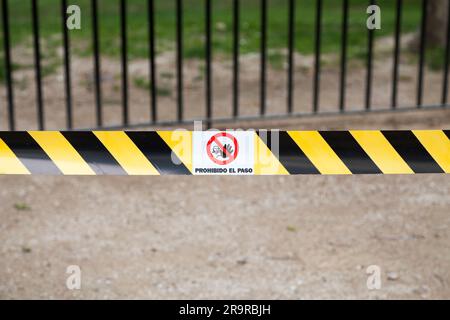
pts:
[290, 237]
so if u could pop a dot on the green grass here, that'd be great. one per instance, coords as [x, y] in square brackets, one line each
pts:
[193, 22]
[193, 15]
[434, 58]
[276, 59]
[144, 84]
[22, 206]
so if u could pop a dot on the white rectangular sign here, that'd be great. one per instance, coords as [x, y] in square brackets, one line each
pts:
[223, 152]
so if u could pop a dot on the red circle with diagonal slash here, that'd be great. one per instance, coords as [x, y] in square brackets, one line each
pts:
[214, 139]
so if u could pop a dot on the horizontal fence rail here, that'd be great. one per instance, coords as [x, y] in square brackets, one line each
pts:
[235, 87]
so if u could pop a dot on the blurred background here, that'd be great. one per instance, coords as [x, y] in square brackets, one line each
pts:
[287, 64]
[153, 62]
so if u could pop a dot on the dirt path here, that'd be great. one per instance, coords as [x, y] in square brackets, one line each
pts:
[312, 238]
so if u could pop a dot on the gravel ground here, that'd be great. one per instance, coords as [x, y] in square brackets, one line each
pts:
[227, 237]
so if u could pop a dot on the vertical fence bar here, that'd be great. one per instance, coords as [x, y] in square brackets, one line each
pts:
[291, 43]
[343, 77]
[208, 54]
[446, 62]
[152, 64]
[96, 48]
[235, 58]
[124, 56]
[317, 49]
[8, 69]
[395, 67]
[368, 103]
[422, 47]
[179, 26]
[67, 74]
[37, 64]
[263, 53]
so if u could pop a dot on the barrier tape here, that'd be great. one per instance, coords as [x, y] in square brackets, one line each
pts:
[230, 152]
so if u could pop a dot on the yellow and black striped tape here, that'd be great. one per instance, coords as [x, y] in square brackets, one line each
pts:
[171, 152]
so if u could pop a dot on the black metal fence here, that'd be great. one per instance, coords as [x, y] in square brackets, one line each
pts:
[235, 87]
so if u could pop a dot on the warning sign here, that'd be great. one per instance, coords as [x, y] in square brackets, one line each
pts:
[222, 148]
[229, 152]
